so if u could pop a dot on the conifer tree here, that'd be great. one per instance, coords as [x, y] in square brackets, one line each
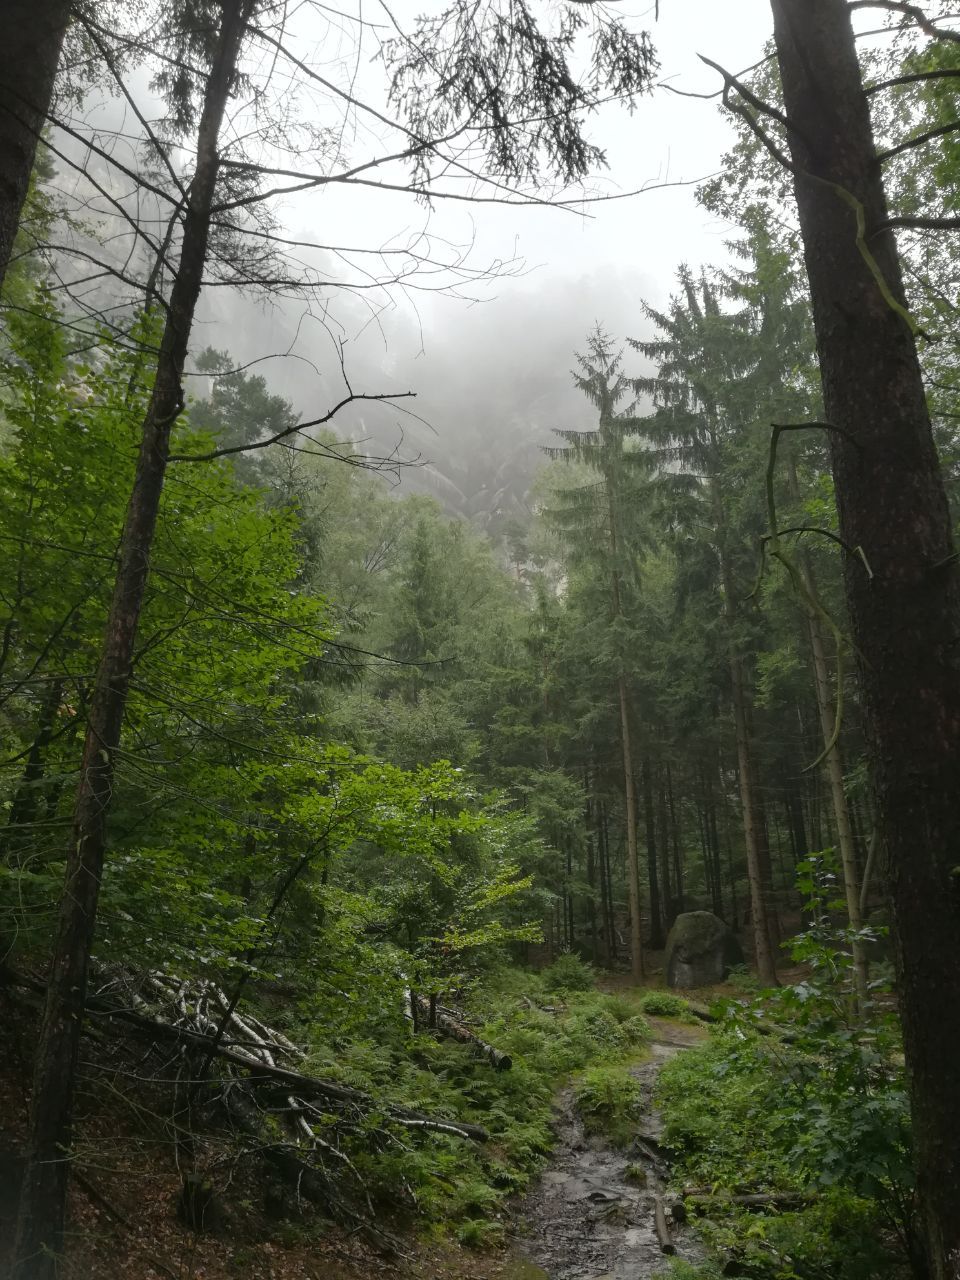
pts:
[702, 402]
[596, 518]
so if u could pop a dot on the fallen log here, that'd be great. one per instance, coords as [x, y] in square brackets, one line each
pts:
[429, 1013]
[702, 1200]
[662, 1229]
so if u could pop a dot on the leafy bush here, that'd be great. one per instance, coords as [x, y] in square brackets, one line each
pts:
[663, 1004]
[569, 973]
[795, 1092]
[609, 1100]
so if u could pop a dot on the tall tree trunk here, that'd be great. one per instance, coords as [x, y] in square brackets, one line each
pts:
[713, 846]
[706, 853]
[603, 836]
[833, 765]
[633, 868]
[33, 32]
[569, 925]
[906, 619]
[753, 832]
[753, 837]
[656, 910]
[596, 954]
[40, 1222]
[666, 878]
[676, 835]
[728, 840]
[760, 815]
[629, 782]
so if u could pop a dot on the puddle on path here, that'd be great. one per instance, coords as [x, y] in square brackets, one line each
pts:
[587, 1219]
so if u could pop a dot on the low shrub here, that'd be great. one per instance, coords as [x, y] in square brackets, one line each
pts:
[609, 1100]
[663, 1004]
[569, 973]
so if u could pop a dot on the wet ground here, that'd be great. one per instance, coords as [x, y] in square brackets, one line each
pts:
[591, 1216]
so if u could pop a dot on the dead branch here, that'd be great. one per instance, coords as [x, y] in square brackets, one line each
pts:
[703, 1200]
[255, 1056]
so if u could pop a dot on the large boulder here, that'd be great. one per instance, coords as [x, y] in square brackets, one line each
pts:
[701, 950]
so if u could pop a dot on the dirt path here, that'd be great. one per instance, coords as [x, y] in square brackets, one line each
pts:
[588, 1218]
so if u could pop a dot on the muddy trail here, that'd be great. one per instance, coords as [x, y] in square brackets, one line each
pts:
[592, 1214]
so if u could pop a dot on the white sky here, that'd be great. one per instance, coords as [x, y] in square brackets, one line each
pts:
[580, 269]
[668, 138]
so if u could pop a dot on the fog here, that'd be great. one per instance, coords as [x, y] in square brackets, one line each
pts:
[485, 331]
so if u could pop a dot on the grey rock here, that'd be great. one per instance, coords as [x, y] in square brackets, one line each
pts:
[701, 950]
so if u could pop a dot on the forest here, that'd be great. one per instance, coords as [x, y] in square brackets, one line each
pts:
[502, 824]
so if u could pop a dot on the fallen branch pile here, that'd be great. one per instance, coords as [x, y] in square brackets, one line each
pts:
[230, 1062]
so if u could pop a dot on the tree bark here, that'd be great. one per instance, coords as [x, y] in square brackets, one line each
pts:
[833, 766]
[40, 1223]
[33, 32]
[633, 869]
[675, 832]
[906, 619]
[666, 877]
[753, 832]
[629, 782]
[603, 844]
[653, 879]
[762, 940]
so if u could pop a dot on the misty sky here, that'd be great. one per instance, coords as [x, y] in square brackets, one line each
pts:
[498, 371]
[466, 361]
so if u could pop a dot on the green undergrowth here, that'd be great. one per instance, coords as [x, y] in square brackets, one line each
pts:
[551, 1030]
[664, 1004]
[796, 1097]
[609, 1100]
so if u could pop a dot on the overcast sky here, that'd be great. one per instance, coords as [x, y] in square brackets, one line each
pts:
[579, 270]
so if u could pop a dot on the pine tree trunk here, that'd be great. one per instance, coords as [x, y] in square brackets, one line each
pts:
[906, 619]
[666, 878]
[676, 835]
[603, 836]
[569, 924]
[656, 911]
[713, 845]
[833, 765]
[592, 861]
[633, 868]
[703, 816]
[40, 1222]
[753, 833]
[33, 32]
[762, 940]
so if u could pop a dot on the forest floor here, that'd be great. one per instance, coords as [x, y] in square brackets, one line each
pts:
[585, 1217]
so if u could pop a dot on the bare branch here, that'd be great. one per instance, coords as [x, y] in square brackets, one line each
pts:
[909, 11]
[919, 140]
[948, 73]
[919, 224]
[386, 397]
